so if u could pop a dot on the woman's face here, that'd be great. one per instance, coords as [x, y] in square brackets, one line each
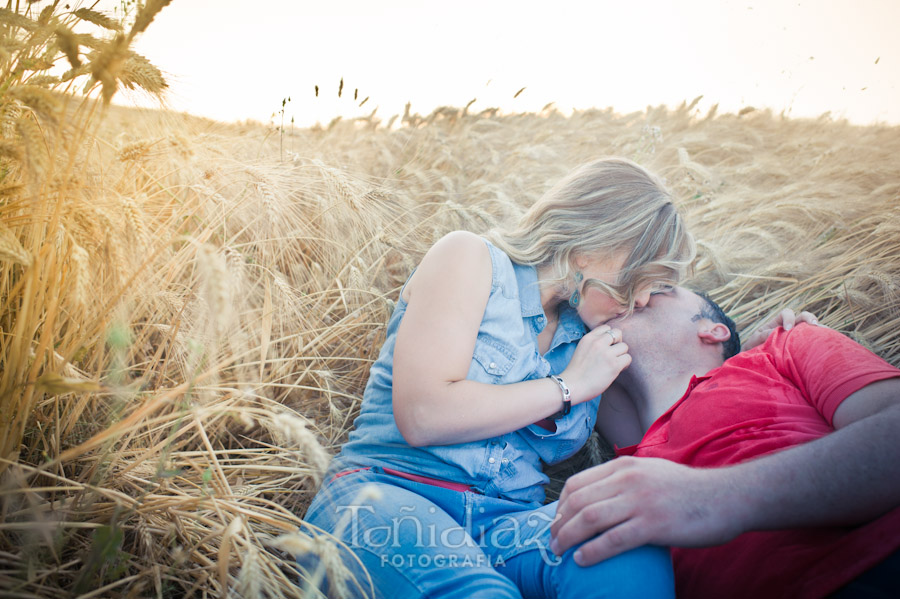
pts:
[596, 307]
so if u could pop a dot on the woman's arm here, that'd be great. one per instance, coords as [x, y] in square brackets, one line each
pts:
[433, 402]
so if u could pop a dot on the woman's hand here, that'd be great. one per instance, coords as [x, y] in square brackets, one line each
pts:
[598, 359]
[786, 318]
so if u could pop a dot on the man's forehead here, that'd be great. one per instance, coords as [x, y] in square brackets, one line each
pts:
[688, 298]
[686, 295]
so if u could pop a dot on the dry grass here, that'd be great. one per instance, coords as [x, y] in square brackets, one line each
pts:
[188, 321]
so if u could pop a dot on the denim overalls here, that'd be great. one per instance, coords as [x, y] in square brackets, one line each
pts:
[487, 531]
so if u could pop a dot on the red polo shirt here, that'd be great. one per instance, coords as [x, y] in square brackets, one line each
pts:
[778, 395]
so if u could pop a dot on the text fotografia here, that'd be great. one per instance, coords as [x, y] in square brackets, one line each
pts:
[441, 560]
[503, 536]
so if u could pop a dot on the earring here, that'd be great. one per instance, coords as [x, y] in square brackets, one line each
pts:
[576, 297]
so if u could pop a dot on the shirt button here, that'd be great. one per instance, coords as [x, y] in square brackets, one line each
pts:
[491, 460]
[493, 365]
[540, 319]
[505, 461]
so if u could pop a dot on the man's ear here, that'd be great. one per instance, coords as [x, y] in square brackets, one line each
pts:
[713, 332]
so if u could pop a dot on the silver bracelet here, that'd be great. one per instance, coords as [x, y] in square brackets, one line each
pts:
[566, 395]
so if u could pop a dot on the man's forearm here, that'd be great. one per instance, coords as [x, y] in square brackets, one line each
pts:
[845, 478]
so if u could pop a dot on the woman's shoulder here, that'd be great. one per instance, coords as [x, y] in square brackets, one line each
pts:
[462, 255]
[456, 257]
[460, 247]
[469, 248]
[461, 241]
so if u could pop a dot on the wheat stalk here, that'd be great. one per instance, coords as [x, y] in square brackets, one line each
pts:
[250, 298]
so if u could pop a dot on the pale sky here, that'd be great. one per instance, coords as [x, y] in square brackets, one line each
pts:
[235, 60]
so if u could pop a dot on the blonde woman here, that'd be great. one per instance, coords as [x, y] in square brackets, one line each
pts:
[494, 362]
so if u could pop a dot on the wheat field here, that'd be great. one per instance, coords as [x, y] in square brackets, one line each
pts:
[189, 308]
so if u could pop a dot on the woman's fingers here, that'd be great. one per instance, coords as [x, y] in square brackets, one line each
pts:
[607, 332]
[808, 317]
[619, 349]
[787, 319]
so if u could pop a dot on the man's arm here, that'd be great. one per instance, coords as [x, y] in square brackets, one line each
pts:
[844, 478]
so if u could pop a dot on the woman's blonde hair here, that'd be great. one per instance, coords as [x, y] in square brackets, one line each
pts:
[603, 208]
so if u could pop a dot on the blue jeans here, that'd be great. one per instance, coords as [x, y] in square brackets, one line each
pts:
[404, 538]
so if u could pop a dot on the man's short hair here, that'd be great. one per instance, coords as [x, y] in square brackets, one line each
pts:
[714, 312]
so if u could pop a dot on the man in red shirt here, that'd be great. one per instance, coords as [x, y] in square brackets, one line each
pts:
[772, 473]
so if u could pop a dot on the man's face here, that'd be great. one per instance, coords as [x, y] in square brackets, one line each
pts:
[663, 328]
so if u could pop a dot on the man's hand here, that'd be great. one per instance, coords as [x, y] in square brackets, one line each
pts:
[786, 318]
[629, 502]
